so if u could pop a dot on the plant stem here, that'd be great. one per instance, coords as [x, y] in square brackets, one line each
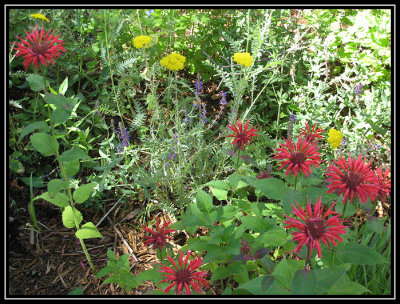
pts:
[307, 260]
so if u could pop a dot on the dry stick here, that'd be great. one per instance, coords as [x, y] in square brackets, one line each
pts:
[108, 212]
[123, 239]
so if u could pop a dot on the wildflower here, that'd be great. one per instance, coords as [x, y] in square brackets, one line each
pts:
[39, 47]
[173, 62]
[242, 135]
[292, 117]
[123, 133]
[314, 227]
[184, 274]
[141, 41]
[149, 12]
[359, 89]
[353, 178]
[312, 134]
[231, 115]
[222, 102]
[204, 112]
[292, 120]
[384, 184]
[158, 236]
[298, 157]
[39, 16]
[243, 59]
[199, 87]
[334, 138]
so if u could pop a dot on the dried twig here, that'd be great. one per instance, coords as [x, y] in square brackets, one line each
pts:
[123, 239]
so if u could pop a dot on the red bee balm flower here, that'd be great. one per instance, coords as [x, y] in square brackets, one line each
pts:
[385, 184]
[299, 157]
[184, 274]
[353, 178]
[314, 227]
[158, 237]
[39, 47]
[312, 135]
[242, 135]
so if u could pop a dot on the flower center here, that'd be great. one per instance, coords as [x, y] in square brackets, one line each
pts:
[40, 48]
[183, 275]
[315, 227]
[298, 158]
[352, 180]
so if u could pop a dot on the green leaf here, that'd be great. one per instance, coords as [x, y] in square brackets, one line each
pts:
[204, 201]
[327, 277]
[73, 154]
[44, 143]
[254, 223]
[304, 282]
[69, 215]
[218, 184]
[290, 198]
[358, 254]
[55, 186]
[59, 199]
[344, 286]
[273, 238]
[63, 87]
[76, 292]
[59, 116]
[88, 231]
[38, 125]
[220, 194]
[284, 271]
[71, 167]
[35, 82]
[271, 187]
[83, 192]
[220, 273]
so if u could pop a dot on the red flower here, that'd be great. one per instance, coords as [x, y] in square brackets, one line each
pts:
[353, 178]
[39, 47]
[158, 237]
[184, 274]
[242, 136]
[312, 135]
[314, 227]
[385, 184]
[299, 157]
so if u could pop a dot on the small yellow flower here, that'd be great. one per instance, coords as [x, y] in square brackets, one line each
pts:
[334, 138]
[173, 62]
[141, 41]
[243, 59]
[39, 16]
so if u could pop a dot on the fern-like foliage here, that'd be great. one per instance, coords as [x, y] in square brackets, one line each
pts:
[140, 116]
[122, 67]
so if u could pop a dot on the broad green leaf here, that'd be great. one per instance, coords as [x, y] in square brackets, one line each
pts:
[55, 186]
[44, 143]
[35, 82]
[220, 194]
[273, 238]
[304, 282]
[73, 154]
[59, 199]
[327, 277]
[59, 116]
[272, 188]
[358, 254]
[71, 167]
[88, 231]
[290, 198]
[204, 201]
[69, 216]
[220, 273]
[284, 271]
[254, 223]
[38, 125]
[83, 192]
[218, 184]
[344, 286]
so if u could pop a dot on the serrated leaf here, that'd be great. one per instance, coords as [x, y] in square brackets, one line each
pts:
[55, 186]
[204, 201]
[88, 231]
[69, 216]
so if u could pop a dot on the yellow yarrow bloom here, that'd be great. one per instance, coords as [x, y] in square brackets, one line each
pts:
[39, 16]
[141, 41]
[243, 59]
[173, 62]
[334, 138]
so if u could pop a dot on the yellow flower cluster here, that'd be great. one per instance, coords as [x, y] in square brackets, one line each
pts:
[243, 59]
[141, 41]
[39, 16]
[334, 138]
[173, 62]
